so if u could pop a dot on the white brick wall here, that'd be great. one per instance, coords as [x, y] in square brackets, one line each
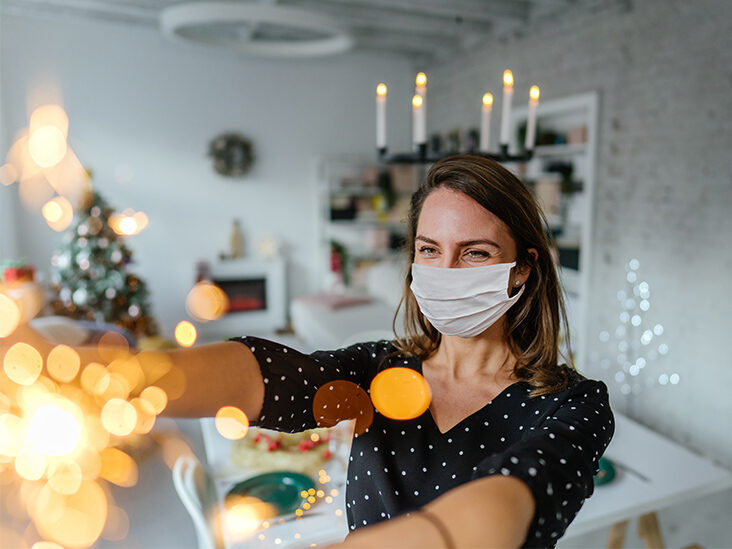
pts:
[664, 195]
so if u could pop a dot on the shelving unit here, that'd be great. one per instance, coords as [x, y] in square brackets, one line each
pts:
[363, 207]
[567, 201]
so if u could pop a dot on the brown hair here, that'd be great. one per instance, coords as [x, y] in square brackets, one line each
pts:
[533, 324]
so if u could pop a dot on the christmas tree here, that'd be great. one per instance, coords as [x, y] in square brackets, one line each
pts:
[89, 273]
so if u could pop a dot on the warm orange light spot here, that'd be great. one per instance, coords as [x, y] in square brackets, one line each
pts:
[46, 545]
[173, 448]
[119, 417]
[9, 315]
[341, 400]
[185, 334]
[421, 79]
[417, 101]
[54, 429]
[73, 521]
[22, 364]
[111, 386]
[232, 423]
[113, 345]
[89, 462]
[65, 477]
[156, 397]
[145, 415]
[508, 78]
[129, 369]
[128, 222]
[154, 365]
[118, 468]
[47, 146]
[534, 93]
[63, 363]
[30, 465]
[58, 213]
[11, 439]
[91, 375]
[118, 524]
[488, 99]
[206, 301]
[400, 393]
[97, 435]
[8, 174]
[244, 515]
[381, 90]
[50, 115]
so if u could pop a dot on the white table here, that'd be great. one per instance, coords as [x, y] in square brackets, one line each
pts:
[652, 472]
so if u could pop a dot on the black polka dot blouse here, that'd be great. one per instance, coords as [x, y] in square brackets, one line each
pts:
[551, 442]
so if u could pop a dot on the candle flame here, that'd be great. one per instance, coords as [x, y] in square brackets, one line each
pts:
[381, 90]
[534, 93]
[421, 79]
[488, 99]
[508, 78]
[417, 101]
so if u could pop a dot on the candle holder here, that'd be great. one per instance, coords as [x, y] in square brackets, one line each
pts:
[421, 156]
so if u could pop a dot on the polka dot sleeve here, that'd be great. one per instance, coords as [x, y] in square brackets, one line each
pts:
[292, 378]
[558, 458]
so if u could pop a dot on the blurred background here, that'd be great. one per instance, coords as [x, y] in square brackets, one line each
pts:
[153, 145]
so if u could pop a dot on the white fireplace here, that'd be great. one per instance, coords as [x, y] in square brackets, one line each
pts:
[257, 293]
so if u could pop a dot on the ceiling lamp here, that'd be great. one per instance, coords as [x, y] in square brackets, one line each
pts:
[266, 30]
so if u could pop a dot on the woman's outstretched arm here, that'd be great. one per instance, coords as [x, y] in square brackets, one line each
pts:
[205, 377]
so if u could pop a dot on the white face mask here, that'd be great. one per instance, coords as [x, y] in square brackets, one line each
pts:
[463, 301]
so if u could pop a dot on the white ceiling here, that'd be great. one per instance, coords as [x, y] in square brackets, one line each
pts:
[425, 30]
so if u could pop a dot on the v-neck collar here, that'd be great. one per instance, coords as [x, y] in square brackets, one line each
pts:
[470, 416]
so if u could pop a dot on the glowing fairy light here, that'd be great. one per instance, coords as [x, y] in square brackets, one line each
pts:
[22, 364]
[400, 393]
[9, 315]
[206, 301]
[231, 423]
[185, 334]
[54, 430]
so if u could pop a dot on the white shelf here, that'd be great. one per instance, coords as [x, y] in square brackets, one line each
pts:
[560, 150]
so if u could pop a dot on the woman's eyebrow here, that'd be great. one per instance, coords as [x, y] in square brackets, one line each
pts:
[463, 243]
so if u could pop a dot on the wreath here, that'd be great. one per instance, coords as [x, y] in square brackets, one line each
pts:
[233, 154]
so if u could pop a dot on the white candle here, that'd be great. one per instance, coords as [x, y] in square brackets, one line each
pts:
[506, 114]
[381, 116]
[531, 123]
[485, 122]
[418, 121]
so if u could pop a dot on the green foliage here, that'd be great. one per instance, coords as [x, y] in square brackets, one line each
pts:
[90, 277]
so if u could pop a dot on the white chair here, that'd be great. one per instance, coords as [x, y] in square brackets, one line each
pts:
[198, 494]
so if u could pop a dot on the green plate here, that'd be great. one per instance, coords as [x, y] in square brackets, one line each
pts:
[280, 488]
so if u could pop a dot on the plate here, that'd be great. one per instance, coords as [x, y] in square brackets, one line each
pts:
[280, 488]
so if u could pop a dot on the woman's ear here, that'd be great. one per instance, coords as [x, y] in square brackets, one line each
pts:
[525, 270]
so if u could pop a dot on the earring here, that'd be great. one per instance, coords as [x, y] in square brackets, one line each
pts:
[517, 283]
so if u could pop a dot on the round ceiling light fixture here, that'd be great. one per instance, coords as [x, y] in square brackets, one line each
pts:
[266, 30]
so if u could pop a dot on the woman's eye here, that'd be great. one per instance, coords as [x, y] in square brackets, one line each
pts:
[426, 250]
[478, 254]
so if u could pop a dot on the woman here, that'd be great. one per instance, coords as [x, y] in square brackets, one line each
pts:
[506, 453]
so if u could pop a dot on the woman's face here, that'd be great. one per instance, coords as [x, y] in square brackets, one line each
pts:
[454, 231]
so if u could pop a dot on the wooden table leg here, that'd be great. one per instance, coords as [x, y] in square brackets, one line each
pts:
[616, 537]
[649, 531]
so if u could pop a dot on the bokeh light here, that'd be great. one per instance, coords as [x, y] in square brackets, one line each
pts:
[47, 146]
[400, 393]
[8, 174]
[245, 514]
[206, 302]
[231, 422]
[54, 429]
[185, 334]
[128, 222]
[9, 315]
[119, 417]
[157, 398]
[63, 363]
[58, 213]
[340, 400]
[118, 468]
[22, 364]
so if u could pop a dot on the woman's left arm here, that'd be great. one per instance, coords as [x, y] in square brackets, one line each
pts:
[493, 511]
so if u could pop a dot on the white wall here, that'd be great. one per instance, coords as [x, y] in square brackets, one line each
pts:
[664, 195]
[136, 100]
